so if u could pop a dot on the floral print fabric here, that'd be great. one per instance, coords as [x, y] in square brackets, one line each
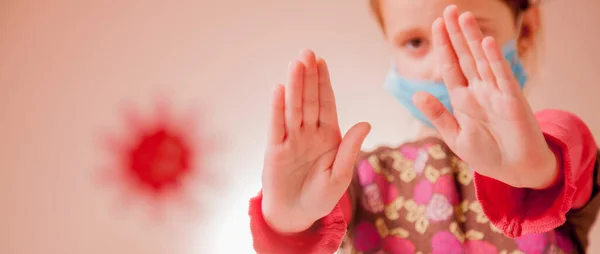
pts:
[420, 198]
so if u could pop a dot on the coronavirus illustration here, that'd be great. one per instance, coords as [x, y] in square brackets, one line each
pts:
[159, 158]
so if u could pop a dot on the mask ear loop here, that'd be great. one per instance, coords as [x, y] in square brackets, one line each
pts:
[521, 14]
[520, 23]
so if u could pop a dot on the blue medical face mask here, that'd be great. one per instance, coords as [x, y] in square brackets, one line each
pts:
[404, 89]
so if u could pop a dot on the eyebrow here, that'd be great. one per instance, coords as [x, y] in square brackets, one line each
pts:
[400, 35]
[481, 20]
[484, 24]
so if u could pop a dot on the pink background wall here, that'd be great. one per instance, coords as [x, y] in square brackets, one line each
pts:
[66, 65]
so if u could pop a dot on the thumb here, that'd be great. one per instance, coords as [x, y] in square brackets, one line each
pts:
[439, 116]
[343, 165]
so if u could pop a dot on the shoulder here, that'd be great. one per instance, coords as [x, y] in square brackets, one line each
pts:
[557, 116]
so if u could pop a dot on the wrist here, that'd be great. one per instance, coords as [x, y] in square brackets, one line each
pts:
[284, 225]
[549, 172]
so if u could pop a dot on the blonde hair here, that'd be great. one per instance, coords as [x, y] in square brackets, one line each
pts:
[516, 6]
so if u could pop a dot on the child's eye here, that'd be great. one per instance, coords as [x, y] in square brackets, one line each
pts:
[414, 43]
[415, 46]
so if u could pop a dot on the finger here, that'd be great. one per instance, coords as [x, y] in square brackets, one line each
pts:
[502, 72]
[277, 128]
[327, 108]
[465, 58]
[310, 98]
[446, 57]
[439, 116]
[474, 36]
[293, 96]
[345, 159]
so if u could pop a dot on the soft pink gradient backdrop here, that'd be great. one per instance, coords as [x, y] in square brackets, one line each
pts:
[66, 65]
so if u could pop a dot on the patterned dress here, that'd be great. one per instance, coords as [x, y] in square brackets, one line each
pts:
[420, 198]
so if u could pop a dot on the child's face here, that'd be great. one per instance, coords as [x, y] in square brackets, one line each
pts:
[407, 27]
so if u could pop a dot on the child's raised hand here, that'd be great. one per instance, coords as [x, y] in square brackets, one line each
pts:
[493, 128]
[308, 166]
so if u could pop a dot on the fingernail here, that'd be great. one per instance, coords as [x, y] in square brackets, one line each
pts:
[450, 7]
[276, 87]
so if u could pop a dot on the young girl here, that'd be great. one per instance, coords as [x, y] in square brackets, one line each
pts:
[487, 175]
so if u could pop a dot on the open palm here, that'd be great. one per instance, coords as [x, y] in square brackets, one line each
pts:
[308, 165]
[493, 127]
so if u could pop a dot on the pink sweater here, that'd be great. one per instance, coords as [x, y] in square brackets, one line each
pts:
[516, 212]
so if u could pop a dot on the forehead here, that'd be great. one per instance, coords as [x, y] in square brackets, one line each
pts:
[399, 15]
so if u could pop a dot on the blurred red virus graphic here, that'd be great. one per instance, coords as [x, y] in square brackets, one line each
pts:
[158, 158]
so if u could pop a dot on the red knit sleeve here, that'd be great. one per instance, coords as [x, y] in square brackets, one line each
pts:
[518, 211]
[324, 237]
